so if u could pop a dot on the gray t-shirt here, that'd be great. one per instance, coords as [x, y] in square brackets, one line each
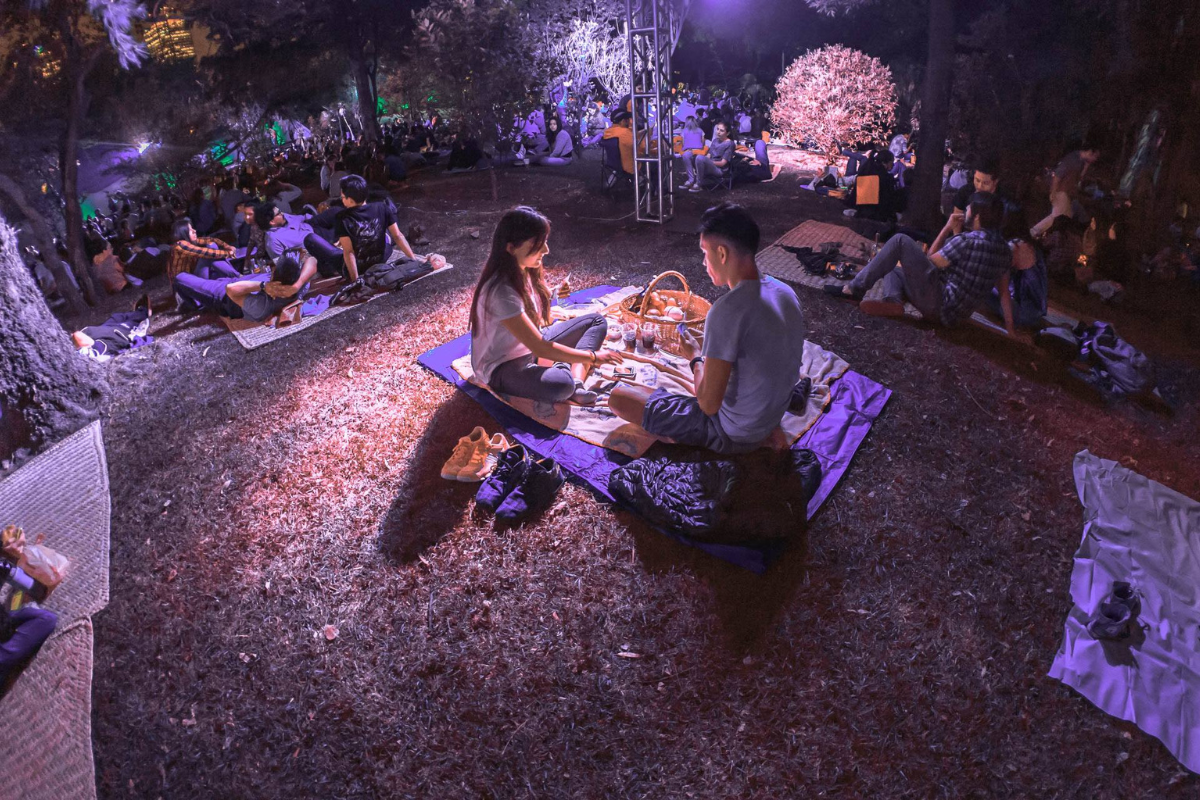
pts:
[261, 306]
[1068, 172]
[722, 151]
[491, 343]
[759, 328]
[289, 235]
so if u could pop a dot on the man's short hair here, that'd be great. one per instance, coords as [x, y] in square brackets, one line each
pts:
[732, 223]
[287, 270]
[989, 165]
[355, 187]
[988, 209]
[264, 213]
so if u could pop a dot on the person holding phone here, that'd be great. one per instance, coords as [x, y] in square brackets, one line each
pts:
[514, 323]
[751, 357]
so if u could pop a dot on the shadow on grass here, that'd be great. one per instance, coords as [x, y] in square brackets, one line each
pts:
[746, 603]
[428, 506]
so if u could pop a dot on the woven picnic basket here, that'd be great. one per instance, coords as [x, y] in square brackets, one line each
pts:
[695, 309]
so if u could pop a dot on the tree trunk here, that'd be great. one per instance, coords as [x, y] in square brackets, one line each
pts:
[367, 101]
[78, 65]
[45, 242]
[47, 391]
[924, 203]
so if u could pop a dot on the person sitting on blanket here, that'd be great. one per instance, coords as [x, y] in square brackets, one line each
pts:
[950, 284]
[198, 254]
[362, 231]
[245, 298]
[511, 316]
[752, 354]
[281, 231]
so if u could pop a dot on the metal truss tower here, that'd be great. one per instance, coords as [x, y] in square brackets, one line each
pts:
[652, 31]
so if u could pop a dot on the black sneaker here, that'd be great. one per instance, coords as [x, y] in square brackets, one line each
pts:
[347, 293]
[510, 472]
[1111, 621]
[835, 289]
[532, 495]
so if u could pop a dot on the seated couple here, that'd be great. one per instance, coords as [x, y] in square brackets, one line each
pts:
[753, 342]
[954, 281]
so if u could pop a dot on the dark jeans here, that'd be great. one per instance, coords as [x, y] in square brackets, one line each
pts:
[209, 294]
[916, 279]
[330, 259]
[331, 262]
[522, 377]
[32, 627]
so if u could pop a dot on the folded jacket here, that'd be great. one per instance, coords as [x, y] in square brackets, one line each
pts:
[758, 496]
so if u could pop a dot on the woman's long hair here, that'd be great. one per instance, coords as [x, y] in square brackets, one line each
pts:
[517, 226]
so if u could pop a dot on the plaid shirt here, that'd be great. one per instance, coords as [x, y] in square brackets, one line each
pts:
[185, 254]
[977, 260]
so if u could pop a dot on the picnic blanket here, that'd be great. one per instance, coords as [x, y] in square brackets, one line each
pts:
[45, 721]
[251, 334]
[599, 426]
[1139, 531]
[855, 403]
[857, 249]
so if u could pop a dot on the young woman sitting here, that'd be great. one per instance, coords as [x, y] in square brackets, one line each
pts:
[562, 149]
[511, 316]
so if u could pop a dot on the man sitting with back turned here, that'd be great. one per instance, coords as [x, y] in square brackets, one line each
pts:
[752, 354]
[362, 230]
[950, 284]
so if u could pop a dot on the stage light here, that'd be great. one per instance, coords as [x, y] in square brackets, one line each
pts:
[141, 147]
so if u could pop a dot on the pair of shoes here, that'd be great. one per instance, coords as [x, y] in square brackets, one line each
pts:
[686, 185]
[519, 486]
[695, 188]
[836, 290]
[1117, 613]
[474, 457]
[844, 271]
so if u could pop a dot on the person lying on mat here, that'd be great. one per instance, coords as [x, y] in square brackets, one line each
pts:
[511, 317]
[950, 284]
[244, 298]
[752, 354]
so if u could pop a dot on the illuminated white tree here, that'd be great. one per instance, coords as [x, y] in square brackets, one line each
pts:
[834, 96]
[589, 48]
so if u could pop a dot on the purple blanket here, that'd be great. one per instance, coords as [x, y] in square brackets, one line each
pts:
[856, 402]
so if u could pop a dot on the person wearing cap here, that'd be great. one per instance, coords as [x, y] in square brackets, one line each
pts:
[622, 130]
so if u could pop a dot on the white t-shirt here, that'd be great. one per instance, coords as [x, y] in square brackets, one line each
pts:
[491, 343]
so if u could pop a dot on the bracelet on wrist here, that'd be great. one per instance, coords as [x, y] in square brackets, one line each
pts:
[697, 360]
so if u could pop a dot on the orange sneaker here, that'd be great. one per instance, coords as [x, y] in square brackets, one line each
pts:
[484, 460]
[470, 448]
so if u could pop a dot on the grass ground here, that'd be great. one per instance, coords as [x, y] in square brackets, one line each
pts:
[901, 651]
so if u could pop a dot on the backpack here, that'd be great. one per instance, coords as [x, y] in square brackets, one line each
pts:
[1128, 368]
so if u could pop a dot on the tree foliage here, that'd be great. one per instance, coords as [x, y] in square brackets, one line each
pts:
[467, 61]
[835, 96]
